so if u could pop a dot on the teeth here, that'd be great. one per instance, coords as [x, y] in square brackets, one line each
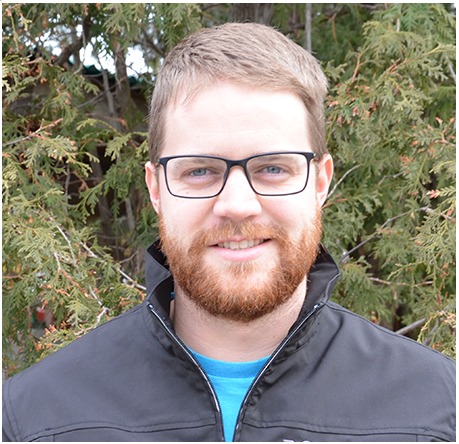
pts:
[241, 245]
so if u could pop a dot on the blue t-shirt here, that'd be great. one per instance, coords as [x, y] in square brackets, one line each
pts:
[231, 380]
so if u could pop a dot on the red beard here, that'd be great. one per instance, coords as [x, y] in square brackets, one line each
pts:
[234, 296]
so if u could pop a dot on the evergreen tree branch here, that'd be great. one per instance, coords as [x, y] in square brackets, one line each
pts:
[118, 269]
[411, 327]
[342, 179]
[65, 237]
[101, 314]
[34, 134]
[346, 254]
[147, 40]
[451, 70]
[399, 284]
[75, 46]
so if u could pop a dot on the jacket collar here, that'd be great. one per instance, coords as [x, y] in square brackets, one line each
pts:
[321, 280]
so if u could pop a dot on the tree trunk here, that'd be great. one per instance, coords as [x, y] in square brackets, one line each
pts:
[123, 90]
[253, 12]
[308, 28]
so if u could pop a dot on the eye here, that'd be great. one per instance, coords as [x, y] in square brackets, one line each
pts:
[197, 172]
[200, 175]
[273, 169]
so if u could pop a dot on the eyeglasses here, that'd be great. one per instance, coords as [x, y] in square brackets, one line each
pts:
[269, 174]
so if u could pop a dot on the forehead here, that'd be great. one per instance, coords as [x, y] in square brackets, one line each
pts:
[226, 116]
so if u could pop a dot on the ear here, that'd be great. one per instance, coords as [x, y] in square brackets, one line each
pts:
[324, 178]
[151, 180]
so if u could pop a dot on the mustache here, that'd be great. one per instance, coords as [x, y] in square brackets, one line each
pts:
[228, 229]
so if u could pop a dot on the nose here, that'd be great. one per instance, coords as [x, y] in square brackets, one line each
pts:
[237, 201]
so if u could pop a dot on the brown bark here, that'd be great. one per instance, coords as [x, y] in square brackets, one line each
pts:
[253, 12]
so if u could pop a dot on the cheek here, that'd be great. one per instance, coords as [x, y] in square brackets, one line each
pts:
[297, 212]
[183, 218]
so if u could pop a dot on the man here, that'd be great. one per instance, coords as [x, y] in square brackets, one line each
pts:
[237, 339]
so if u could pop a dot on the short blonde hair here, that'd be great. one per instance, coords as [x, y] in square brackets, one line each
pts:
[243, 53]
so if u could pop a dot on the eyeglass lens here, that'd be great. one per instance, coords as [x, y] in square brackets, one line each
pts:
[270, 174]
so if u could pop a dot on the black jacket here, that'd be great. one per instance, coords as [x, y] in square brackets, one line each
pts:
[335, 377]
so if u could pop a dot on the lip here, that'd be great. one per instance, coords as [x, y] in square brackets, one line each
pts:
[242, 244]
[239, 254]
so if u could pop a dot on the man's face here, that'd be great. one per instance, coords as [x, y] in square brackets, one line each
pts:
[239, 255]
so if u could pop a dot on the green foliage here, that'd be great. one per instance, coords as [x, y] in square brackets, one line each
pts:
[56, 257]
[393, 139]
[76, 215]
[177, 20]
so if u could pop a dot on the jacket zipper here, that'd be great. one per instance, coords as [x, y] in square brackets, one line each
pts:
[198, 365]
[314, 309]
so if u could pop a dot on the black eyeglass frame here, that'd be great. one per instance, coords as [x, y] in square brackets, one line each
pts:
[232, 163]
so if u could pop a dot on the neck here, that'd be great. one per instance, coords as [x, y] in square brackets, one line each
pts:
[233, 341]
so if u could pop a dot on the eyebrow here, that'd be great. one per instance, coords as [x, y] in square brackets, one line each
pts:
[217, 154]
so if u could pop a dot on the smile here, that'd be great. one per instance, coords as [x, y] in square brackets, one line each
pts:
[242, 245]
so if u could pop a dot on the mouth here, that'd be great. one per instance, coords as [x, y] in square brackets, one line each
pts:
[241, 245]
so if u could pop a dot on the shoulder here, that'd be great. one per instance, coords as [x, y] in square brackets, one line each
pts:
[406, 382]
[379, 339]
[377, 345]
[370, 378]
[69, 380]
[91, 348]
